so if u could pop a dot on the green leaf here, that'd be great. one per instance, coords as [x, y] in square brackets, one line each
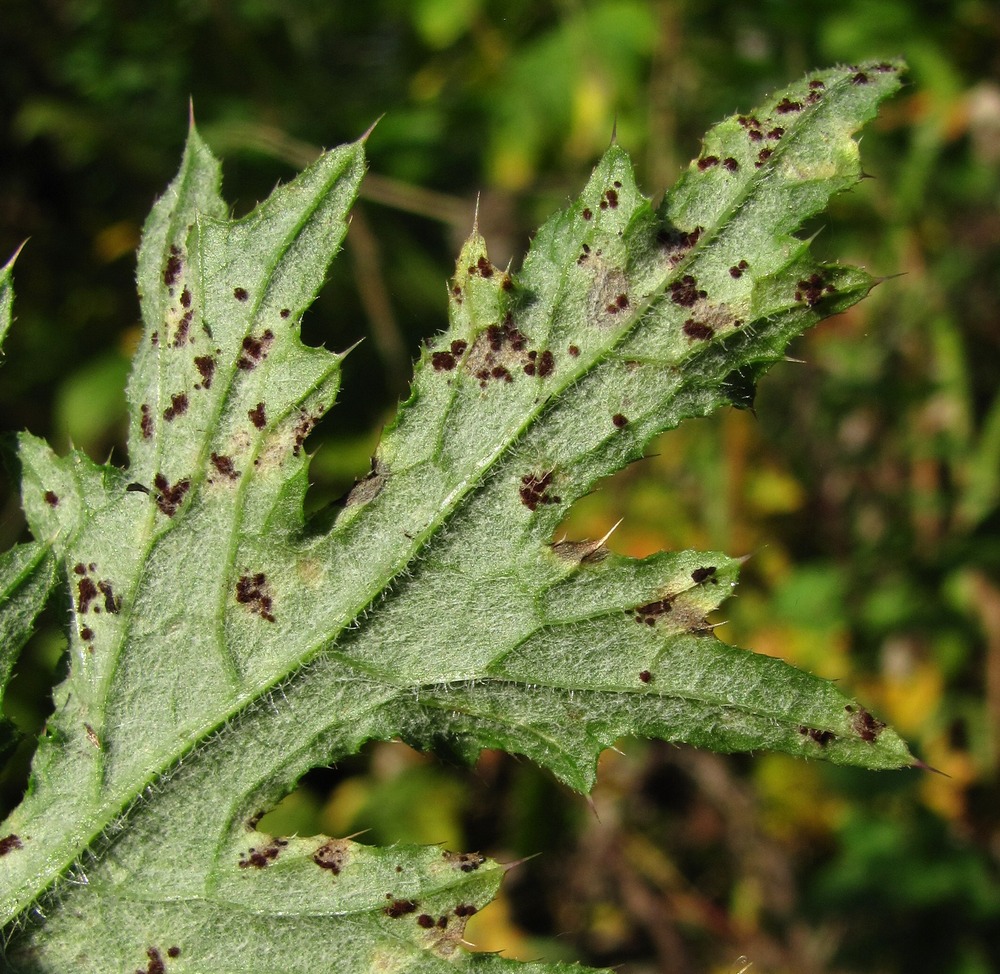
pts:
[27, 572]
[220, 646]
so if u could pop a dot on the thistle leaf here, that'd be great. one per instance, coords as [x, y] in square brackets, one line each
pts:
[220, 646]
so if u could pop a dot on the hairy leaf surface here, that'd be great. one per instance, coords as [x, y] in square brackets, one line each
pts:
[220, 646]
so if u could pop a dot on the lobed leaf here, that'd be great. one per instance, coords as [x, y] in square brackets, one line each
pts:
[220, 646]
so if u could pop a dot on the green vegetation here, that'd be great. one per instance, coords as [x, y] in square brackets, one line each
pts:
[866, 484]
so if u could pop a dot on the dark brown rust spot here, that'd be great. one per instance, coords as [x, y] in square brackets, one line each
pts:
[399, 908]
[701, 575]
[9, 843]
[205, 364]
[172, 270]
[651, 611]
[252, 591]
[707, 162]
[698, 330]
[225, 466]
[866, 726]
[619, 420]
[468, 862]
[51, 498]
[87, 591]
[258, 416]
[169, 498]
[821, 737]
[332, 855]
[240, 293]
[260, 858]
[534, 490]
[178, 405]
[443, 361]
[646, 676]
[685, 291]
[786, 106]
[145, 422]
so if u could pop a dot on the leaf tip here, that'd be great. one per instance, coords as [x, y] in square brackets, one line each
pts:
[371, 128]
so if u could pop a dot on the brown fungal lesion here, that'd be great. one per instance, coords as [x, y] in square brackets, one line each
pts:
[169, 497]
[253, 591]
[333, 855]
[649, 613]
[534, 490]
[260, 857]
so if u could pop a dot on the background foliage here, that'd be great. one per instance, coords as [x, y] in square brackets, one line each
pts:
[867, 485]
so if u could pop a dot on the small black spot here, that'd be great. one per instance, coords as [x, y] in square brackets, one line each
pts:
[707, 162]
[860, 79]
[619, 420]
[573, 350]
[173, 267]
[587, 214]
[816, 84]
[51, 498]
[257, 416]
[86, 634]
[700, 575]
[173, 952]
[79, 568]
[730, 163]
[425, 920]
[617, 184]
[9, 843]
[284, 312]
[737, 269]
[240, 293]
[465, 910]
[646, 676]
[178, 405]
[399, 908]
[786, 106]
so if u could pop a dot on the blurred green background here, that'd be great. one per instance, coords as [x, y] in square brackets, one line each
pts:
[867, 485]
